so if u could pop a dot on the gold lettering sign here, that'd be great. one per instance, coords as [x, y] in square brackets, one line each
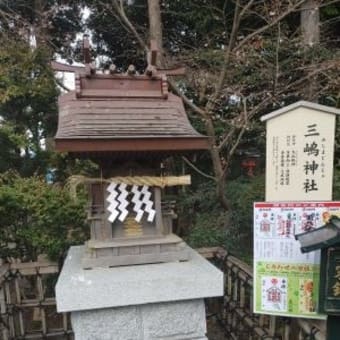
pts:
[132, 227]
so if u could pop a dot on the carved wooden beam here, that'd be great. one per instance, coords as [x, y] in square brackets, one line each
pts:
[67, 68]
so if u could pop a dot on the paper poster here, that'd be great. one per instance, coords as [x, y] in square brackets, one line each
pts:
[286, 282]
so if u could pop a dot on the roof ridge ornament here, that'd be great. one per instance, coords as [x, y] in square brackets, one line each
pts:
[90, 68]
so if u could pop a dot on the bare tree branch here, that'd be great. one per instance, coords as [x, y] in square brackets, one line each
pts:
[271, 24]
[121, 11]
[60, 83]
[188, 101]
[277, 65]
[236, 22]
[246, 8]
[197, 169]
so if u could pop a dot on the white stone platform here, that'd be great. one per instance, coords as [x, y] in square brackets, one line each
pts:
[78, 289]
[140, 302]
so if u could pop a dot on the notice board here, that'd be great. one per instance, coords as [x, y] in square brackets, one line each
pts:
[286, 282]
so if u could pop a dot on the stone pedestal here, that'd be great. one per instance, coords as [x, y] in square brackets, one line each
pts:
[145, 302]
[171, 320]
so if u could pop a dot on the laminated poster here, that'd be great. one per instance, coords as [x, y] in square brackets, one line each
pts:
[286, 282]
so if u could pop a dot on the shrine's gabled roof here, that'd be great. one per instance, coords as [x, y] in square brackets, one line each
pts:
[107, 110]
[123, 113]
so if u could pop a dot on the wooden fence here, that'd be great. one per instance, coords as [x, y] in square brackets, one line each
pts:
[27, 302]
[27, 305]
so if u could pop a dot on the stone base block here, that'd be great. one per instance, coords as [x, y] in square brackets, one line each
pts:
[169, 248]
[78, 289]
[162, 301]
[184, 320]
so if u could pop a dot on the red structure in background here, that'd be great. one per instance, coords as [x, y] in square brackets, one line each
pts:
[249, 165]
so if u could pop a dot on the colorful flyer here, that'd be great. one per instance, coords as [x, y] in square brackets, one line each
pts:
[286, 281]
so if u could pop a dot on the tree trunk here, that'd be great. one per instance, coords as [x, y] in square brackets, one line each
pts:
[310, 20]
[310, 30]
[155, 25]
[217, 165]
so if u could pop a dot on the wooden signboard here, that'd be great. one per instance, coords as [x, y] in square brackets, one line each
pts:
[300, 147]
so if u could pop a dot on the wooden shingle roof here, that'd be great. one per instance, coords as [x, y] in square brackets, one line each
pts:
[115, 113]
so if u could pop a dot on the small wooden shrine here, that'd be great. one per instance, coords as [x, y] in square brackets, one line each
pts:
[128, 123]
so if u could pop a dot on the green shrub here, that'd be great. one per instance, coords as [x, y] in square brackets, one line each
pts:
[208, 231]
[38, 218]
[207, 224]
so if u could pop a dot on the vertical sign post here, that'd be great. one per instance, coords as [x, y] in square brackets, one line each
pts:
[299, 175]
[300, 147]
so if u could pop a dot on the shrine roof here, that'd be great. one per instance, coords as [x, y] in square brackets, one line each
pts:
[123, 112]
[114, 112]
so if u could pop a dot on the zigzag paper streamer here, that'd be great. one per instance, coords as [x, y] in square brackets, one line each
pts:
[148, 205]
[113, 203]
[119, 202]
[136, 199]
[123, 202]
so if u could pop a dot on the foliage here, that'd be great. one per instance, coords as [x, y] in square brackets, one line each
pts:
[112, 38]
[28, 97]
[11, 143]
[51, 24]
[31, 34]
[38, 218]
[208, 233]
[208, 225]
[28, 91]
[201, 220]
[243, 192]
[336, 184]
